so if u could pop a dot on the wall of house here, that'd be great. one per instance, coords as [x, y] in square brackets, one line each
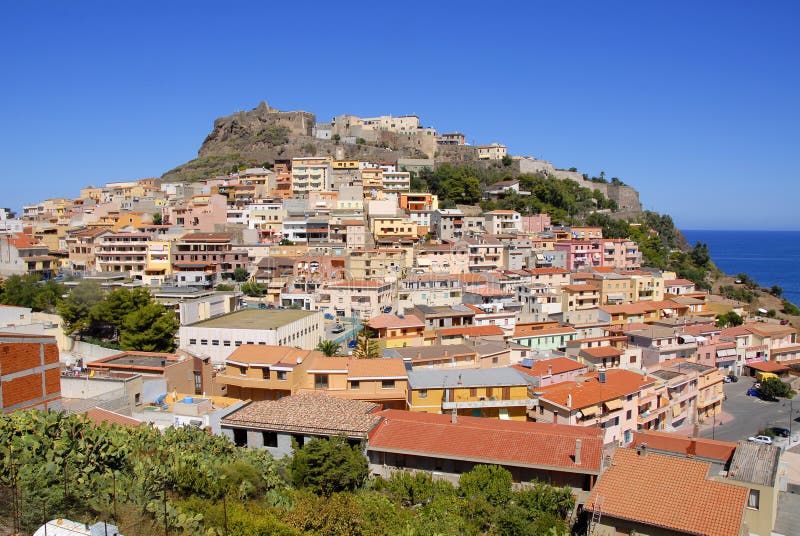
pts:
[29, 372]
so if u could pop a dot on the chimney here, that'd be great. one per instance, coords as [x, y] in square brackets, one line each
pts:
[569, 401]
[642, 450]
[549, 370]
[601, 375]
[578, 446]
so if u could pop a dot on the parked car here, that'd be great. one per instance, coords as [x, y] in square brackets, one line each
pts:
[752, 392]
[784, 322]
[727, 379]
[780, 431]
[338, 328]
[766, 440]
[733, 377]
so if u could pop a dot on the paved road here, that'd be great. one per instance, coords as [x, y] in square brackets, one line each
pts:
[744, 415]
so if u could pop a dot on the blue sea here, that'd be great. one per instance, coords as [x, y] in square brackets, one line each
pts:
[769, 257]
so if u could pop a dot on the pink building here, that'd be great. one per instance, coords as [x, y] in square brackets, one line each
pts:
[621, 254]
[582, 253]
[536, 223]
[200, 215]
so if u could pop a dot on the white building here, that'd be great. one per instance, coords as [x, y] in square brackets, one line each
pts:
[218, 337]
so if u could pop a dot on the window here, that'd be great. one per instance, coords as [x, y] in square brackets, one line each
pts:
[270, 438]
[423, 393]
[506, 393]
[243, 371]
[265, 373]
[628, 414]
[281, 375]
[473, 392]
[240, 437]
[192, 341]
[320, 381]
[355, 384]
[226, 343]
[137, 398]
[198, 383]
[753, 499]
[489, 391]
[237, 343]
[215, 342]
[495, 360]
[387, 384]
[203, 342]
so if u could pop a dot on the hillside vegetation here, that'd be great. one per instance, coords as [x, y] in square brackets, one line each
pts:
[185, 481]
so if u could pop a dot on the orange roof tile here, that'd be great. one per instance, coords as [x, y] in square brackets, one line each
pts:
[556, 365]
[472, 331]
[386, 367]
[668, 492]
[487, 440]
[767, 366]
[602, 351]
[390, 321]
[256, 354]
[685, 445]
[588, 391]
[99, 416]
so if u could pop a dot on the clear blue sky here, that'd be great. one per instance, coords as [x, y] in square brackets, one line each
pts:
[696, 104]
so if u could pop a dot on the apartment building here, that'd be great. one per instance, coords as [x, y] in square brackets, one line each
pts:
[358, 298]
[376, 264]
[581, 254]
[450, 258]
[607, 400]
[500, 393]
[211, 254]
[503, 222]
[621, 254]
[311, 174]
[447, 223]
[122, 252]
[493, 151]
[429, 289]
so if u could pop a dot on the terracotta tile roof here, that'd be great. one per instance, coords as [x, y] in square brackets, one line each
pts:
[99, 416]
[600, 352]
[22, 241]
[668, 492]
[767, 366]
[736, 331]
[387, 367]
[588, 391]
[472, 331]
[580, 288]
[516, 443]
[471, 278]
[543, 332]
[390, 321]
[678, 283]
[547, 271]
[642, 307]
[710, 449]
[770, 330]
[542, 367]
[312, 413]
[256, 354]
[207, 237]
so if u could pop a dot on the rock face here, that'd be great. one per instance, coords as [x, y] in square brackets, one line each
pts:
[263, 135]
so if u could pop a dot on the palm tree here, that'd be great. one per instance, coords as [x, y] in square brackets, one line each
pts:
[329, 348]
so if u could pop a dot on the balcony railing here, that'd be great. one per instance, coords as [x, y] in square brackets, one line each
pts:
[467, 404]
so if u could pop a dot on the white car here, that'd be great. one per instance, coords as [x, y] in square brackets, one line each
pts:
[760, 439]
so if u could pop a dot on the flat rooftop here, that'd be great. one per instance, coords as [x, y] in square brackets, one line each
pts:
[254, 319]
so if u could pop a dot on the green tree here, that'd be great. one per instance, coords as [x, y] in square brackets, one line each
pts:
[336, 138]
[329, 348]
[329, 465]
[366, 348]
[776, 291]
[507, 160]
[790, 309]
[253, 289]
[76, 308]
[700, 255]
[157, 218]
[151, 328]
[729, 319]
[489, 481]
[240, 274]
[772, 388]
[223, 287]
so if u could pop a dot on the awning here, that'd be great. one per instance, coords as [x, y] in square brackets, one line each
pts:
[726, 352]
[616, 296]
[613, 405]
[589, 411]
[700, 338]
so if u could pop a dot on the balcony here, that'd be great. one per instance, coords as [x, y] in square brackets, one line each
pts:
[475, 404]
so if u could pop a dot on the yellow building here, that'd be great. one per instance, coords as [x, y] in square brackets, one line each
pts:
[396, 332]
[496, 392]
[393, 227]
[372, 178]
[258, 372]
